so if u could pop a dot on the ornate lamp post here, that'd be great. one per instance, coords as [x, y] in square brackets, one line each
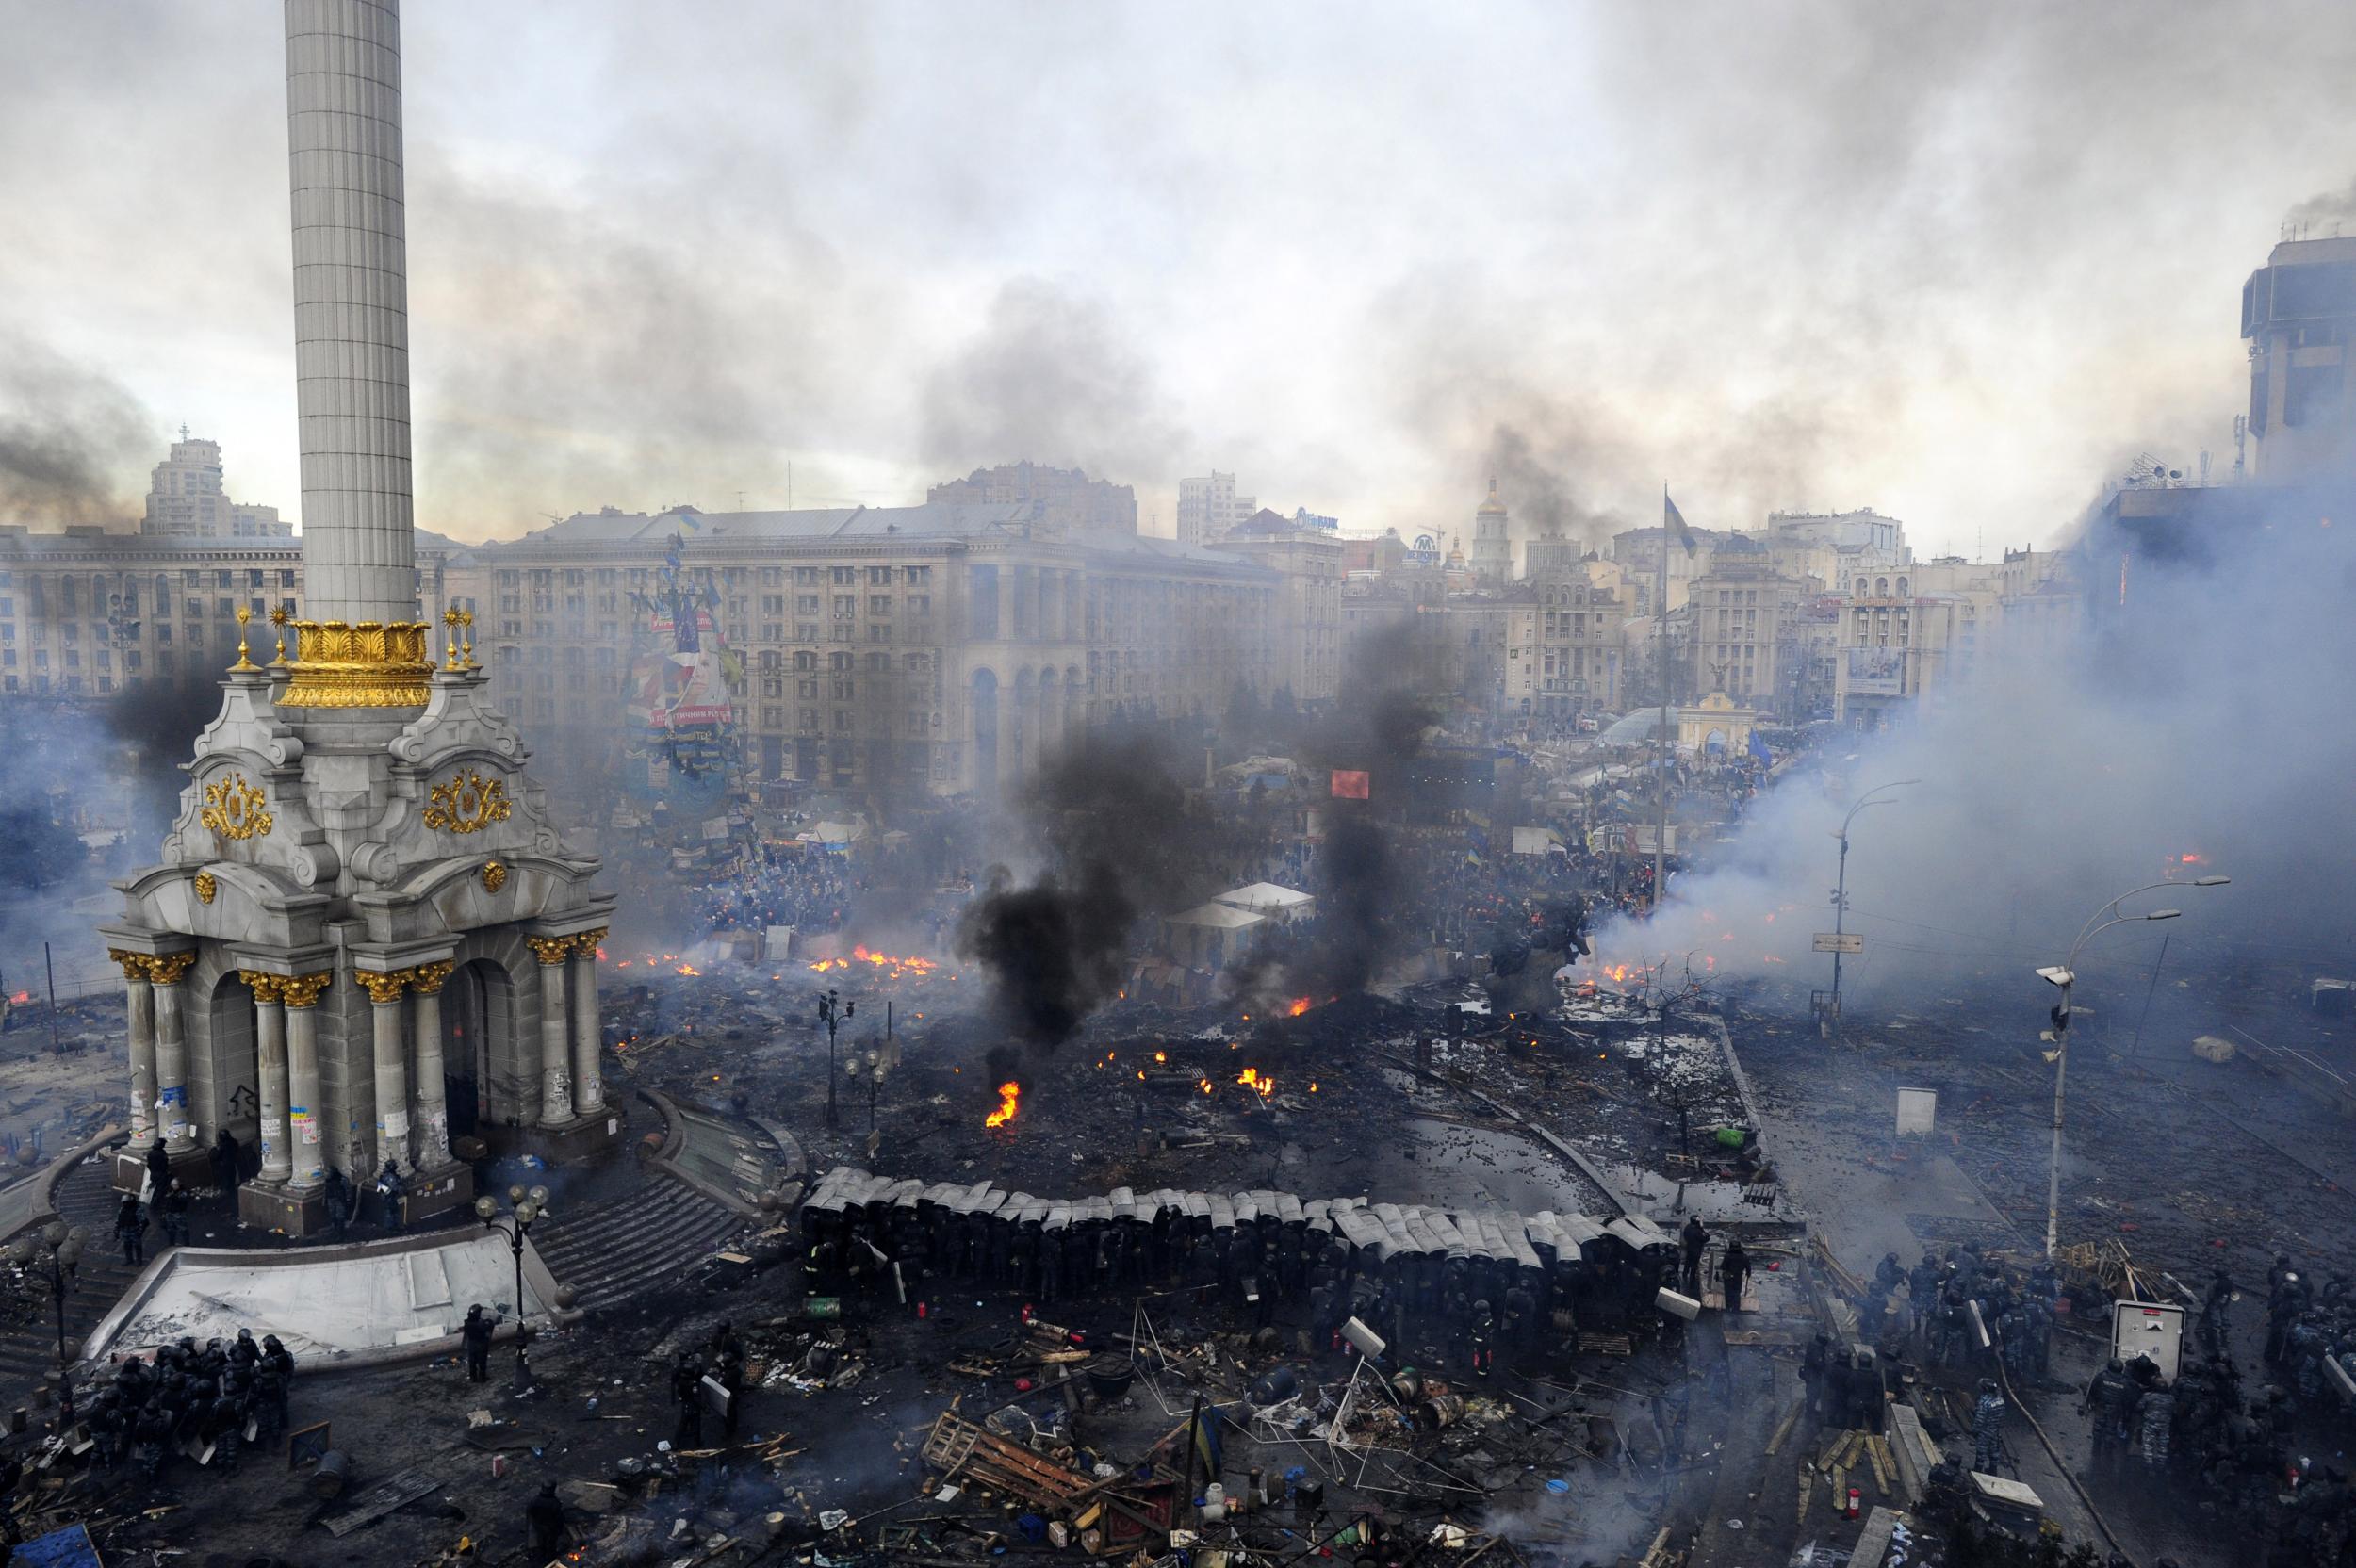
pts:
[50, 1264]
[523, 1209]
[832, 1011]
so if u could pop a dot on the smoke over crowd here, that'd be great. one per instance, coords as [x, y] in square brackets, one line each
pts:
[2180, 735]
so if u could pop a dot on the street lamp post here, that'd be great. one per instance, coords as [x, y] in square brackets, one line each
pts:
[832, 1010]
[52, 1262]
[523, 1209]
[1840, 885]
[2065, 976]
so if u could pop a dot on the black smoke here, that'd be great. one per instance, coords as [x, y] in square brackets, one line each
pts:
[1115, 839]
[67, 438]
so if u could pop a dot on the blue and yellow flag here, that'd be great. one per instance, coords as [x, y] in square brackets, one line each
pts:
[1674, 520]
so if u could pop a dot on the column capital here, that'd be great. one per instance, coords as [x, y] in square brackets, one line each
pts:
[266, 987]
[587, 942]
[426, 979]
[134, 964]
[302, 990]
[383, 989]
[549, 950]
[165, 969]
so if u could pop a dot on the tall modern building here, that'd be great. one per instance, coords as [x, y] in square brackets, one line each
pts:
[186, 498]
[1209, 509]
[2299, 314]
[365, 937]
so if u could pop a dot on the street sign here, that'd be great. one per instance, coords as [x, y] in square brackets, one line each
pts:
[1840, 942]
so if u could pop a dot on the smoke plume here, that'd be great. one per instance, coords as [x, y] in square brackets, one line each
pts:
[69, 437]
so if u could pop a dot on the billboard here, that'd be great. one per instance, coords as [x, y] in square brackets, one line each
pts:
[1877, 671]
[1351, 784]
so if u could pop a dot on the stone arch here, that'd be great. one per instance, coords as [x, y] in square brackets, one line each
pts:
[491, 1014]
[224, 1067]
[1050, 712]
[1024, 748]
[983, 714]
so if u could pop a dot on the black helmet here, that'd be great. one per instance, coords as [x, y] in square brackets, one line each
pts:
[269, 1342]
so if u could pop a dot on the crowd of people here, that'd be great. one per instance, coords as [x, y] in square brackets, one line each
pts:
[201, 1404]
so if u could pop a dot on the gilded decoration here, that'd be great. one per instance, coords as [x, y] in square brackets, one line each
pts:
[245, 613]
[278, 618]
[134, 964]
[549, 950]
[302, 990]
[586, 943]
[381, 989]
[426, 979]
[165, 969]
[369, 664]
[467, 803]
[264, 986]
[234, 808]
[493, 875]
[207, 889]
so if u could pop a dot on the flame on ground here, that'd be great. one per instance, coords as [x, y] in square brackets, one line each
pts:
[1298, 1005]
[689, 969]
[1008, 1094]
[894, 965]
[1252, 1078]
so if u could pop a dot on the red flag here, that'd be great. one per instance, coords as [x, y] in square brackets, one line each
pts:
[1351, 784]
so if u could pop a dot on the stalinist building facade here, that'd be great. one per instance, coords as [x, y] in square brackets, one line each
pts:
[363, 937]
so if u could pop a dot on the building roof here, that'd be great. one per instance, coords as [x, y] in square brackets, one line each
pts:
[1264, 895]
[1492, 507]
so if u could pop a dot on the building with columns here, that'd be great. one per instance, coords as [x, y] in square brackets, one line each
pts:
[363, 937]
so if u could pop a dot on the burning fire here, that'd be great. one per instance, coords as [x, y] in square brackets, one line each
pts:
[894, 965]
[21, 998]
[1253, 1079]
[1298, 1005]
[689, 969]
[1008, 1093]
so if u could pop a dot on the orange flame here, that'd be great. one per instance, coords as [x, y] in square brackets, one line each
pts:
[1252, 1078]
[1298, 1005]
[689, 969]
[894, 965]
[1008, 1093]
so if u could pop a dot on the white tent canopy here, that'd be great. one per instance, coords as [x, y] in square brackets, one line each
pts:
[1266, 898]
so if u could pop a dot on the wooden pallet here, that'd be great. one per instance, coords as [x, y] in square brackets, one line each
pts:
[958, 1447]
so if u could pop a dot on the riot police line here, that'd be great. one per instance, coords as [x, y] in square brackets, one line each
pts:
[1403, 1268]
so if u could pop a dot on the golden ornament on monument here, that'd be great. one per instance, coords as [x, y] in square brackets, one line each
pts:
[232, 808]
[467, 803]
[369, 664]
[493, 875]
[206, 887]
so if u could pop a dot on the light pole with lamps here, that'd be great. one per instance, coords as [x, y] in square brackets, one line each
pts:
[1840, 885]
[50, 1264]
[523, 1209]
[2065, 975]
[832, 1010]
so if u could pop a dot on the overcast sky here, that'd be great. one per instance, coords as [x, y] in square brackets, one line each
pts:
[1957, 263]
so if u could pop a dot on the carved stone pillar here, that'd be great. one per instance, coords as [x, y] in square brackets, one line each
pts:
[301, 994]
[171, 1051]
[588, 1079]
[270, 1034]
[556, 1077]
[392, 1070]
[432, 1127]
[139, 994]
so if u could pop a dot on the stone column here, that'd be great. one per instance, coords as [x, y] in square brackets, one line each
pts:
[270, 1034]
[392, 1070]
[556, 1077]
[301, 994]
[172, 1051]
[588, 1080]
[433, 1127]
[139, 994]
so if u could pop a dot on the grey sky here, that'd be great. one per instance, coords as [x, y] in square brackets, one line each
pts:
[1954, 262]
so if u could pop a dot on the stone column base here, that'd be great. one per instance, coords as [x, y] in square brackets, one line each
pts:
[293, 1211]
[193, 1167]
[435, 1193]
[566, 1143]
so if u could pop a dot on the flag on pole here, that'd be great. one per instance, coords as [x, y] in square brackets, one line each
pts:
[1205, 1438]
[1674, 520]
[1758, 749]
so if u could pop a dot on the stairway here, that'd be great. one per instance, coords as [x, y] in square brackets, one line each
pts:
[609, 1249]
[28, 1350]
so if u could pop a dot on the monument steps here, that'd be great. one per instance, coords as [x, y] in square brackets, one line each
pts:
[610, 1249]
